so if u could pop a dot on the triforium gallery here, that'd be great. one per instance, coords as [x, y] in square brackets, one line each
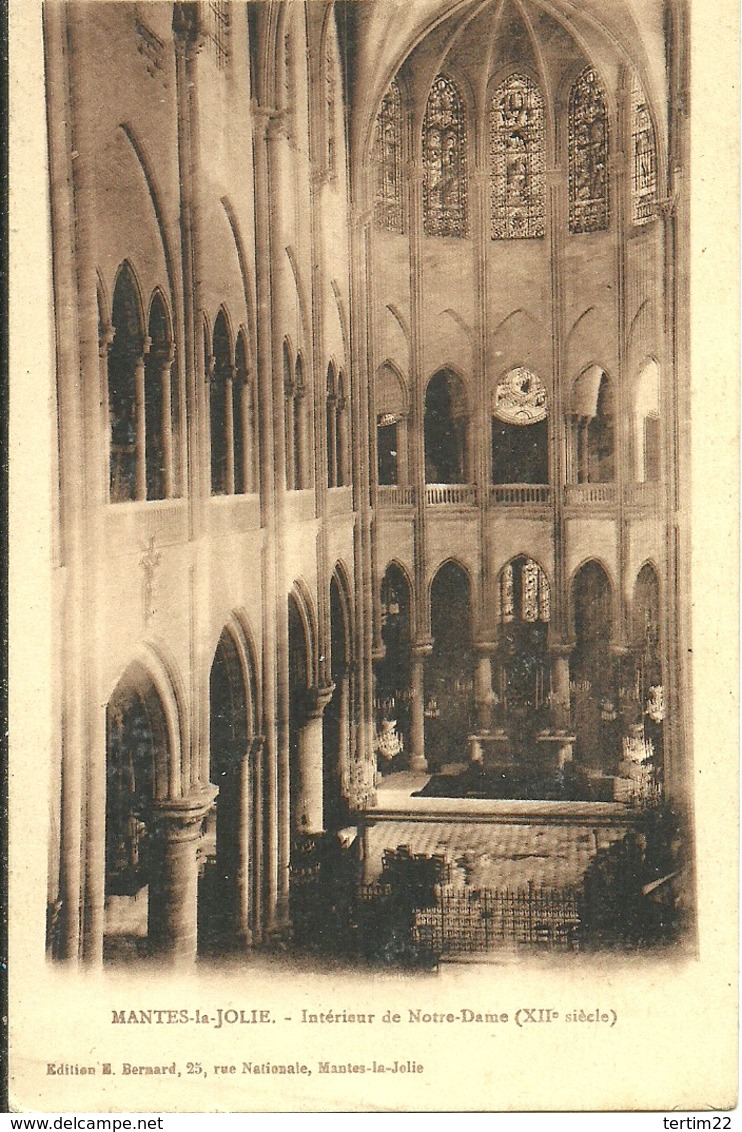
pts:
[370, 525]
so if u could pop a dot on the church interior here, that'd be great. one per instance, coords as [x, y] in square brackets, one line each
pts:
[370, 533]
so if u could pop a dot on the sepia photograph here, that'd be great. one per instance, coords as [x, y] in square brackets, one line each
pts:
[369, 542]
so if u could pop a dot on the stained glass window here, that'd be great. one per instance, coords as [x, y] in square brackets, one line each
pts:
[517, 160]
[644, 158]
[507, 612]
[523, 593]
[388, 162]
[444, 162]
[529, 591]
[588, 155]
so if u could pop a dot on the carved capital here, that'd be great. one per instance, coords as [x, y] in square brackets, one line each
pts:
[168, 355]
[317, 699]
[106, 335]
[561, 648]
[180, 819]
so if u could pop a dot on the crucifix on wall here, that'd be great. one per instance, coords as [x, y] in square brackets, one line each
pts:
[149, 563]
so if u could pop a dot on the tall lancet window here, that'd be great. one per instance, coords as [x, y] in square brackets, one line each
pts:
[388, 162]
[444, 162]
[517, 157]
[588, 155]
[644, 158]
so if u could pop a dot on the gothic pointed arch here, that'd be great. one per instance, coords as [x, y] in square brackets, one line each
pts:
[593, 623]
[243, 411]
[394, 670]
[142, 754]
[161, 402]
[228, 897]
[126, 361]
[446, 429]
[647, 425]
[392, 407]
[221, 406]
[593, 427]
[523, 614]
[450, 668]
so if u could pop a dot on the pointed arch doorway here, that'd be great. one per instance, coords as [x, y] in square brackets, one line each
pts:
[228, 908]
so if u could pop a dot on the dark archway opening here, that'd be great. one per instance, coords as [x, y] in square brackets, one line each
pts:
[596, 713]
[158, 409]
[220, 393]
[394, 671]
[124, 358]
[524, 611]
[449, 676]
[601, 460]
[520, 453]
[445, 429]
[225, 898]
[136, 744]
[386, 446]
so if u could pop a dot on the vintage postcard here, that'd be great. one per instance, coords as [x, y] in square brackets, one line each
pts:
[374, 555]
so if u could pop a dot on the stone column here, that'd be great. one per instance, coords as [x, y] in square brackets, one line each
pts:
[288, 426]
[257, 844]
[403, 464]
[105, 341]
[246, 864]
[167, 422]
[332, 447]
[308, 816]
[248, 458]
[229, 429]
[583, 450]
[342, 427]
[140, 491]
[75, 593]
[301, 439]
[483, 694]
[418, 762]
[173, 890]
[560, 685]
[343, 755]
